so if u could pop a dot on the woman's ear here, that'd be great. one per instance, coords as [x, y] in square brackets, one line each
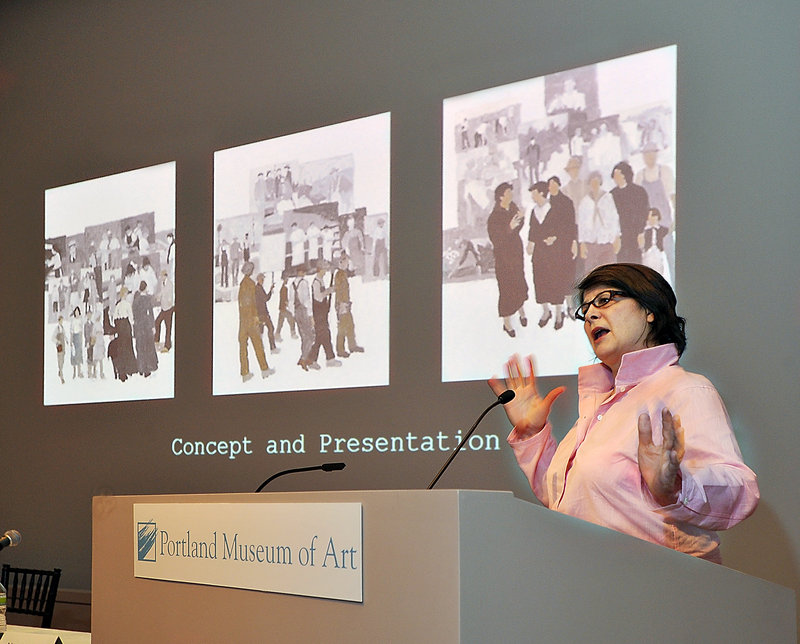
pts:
[651, 318]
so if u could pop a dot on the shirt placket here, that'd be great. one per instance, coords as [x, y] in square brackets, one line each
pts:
[590, 415]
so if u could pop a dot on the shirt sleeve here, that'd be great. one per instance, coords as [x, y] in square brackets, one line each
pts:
[717, 489]
[610, 217]
[534, 456]
[668, 179]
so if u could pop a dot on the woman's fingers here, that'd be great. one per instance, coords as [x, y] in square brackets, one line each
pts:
[550, 398]
[515, 376]
[496, 385]
[645, 431]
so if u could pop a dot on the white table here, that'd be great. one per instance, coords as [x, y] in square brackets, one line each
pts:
[34, 635]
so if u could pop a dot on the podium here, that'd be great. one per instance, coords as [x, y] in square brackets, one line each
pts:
[446, 566]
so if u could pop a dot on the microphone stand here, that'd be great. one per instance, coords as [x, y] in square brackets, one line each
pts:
[502, 399]
[325, 467]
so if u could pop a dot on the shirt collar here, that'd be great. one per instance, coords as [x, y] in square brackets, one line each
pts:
[634, 368]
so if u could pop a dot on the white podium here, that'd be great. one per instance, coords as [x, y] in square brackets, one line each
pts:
[447, 566]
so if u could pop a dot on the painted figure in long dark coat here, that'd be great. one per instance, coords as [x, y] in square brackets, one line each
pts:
[144, 331]
[120, 349]
[503, 226]
[555, 247]
[632, 204]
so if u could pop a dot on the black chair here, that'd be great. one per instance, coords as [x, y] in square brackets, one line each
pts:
[31, 592]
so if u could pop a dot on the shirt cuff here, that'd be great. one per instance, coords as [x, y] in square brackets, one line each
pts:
[689, 490]
[516, 438]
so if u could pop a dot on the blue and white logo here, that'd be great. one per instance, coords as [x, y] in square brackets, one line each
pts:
[146, 540]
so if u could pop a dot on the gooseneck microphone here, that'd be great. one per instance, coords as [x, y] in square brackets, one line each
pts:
[502, 399]
[325, 467]
[10, 539]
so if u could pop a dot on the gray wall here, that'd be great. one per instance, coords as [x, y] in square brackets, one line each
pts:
[89, 89]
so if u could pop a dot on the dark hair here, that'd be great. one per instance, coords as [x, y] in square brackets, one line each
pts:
[554, 178]
[650, 290]
[499, 190]
[654, 211]
[625, 168]
[540, 187]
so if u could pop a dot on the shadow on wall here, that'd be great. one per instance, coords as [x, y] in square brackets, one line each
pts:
[777, 563]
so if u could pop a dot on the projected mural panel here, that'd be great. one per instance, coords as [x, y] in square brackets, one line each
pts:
[109, 294]
[543, 180]
[301, 260]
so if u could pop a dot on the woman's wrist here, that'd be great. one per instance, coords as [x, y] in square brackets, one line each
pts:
[526, 430]
[669, 496]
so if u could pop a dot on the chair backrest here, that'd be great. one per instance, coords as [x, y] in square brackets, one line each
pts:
[31, 592]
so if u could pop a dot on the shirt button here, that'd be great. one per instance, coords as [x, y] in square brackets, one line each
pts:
[622, 388]
[599, 416]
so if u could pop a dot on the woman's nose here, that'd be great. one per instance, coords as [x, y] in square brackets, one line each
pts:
[593, 313]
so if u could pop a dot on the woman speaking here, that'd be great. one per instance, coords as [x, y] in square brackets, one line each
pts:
[652, 453]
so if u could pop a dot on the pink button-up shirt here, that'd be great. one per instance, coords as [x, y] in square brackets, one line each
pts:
[593, 474]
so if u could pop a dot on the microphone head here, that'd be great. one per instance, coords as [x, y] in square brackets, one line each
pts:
[332, 467]
[506, 396]
[14, 537]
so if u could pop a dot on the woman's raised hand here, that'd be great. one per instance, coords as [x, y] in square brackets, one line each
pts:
[660, 464]
[528, 411]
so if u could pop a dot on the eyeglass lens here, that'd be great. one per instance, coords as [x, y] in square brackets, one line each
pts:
[599, 301]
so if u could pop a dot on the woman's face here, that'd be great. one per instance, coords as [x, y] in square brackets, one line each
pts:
[616, 329]
[505, 198]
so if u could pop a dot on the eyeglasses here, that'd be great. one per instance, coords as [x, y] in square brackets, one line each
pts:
[599, 301]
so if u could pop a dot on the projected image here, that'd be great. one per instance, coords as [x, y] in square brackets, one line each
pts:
[109, 288]
[301, 260]
[543, 180]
